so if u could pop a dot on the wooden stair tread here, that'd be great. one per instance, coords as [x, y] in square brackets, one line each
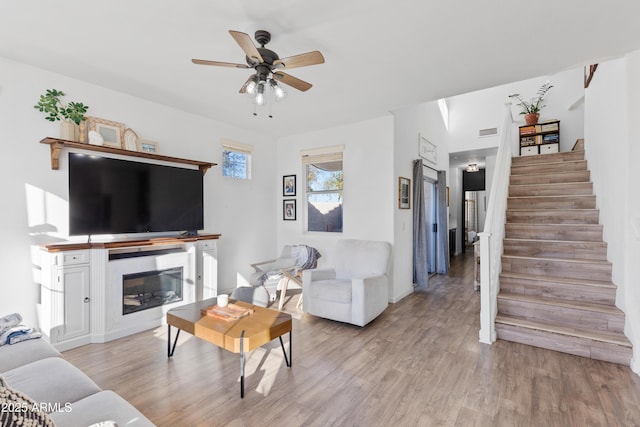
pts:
[555, 211]
[568, 260]
[568, 280]
[563, 196]
[596, 335]
[550, 241]
[556, 302]
[523, 163]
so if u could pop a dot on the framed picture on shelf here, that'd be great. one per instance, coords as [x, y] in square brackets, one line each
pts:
[130, 140]
[289, 185]
[289, 210]
[427, 150]
[147, 146]
[404, 193]
[111, 132]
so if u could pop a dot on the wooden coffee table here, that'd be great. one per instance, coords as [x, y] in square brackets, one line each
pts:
[237, 336]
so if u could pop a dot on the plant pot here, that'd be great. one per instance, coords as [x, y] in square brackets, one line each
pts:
[531, 119]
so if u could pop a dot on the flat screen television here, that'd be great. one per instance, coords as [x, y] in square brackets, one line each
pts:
[112, 196]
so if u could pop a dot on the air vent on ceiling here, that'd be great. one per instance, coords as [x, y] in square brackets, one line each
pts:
[487, 132]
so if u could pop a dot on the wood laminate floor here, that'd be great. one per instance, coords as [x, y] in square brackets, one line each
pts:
[418, 364]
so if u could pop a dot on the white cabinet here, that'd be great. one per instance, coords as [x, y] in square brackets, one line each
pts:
[65, 298]
[207, 269]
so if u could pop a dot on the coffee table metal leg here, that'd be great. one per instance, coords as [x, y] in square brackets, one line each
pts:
[171, 349]
[242, 364]
[289, 360]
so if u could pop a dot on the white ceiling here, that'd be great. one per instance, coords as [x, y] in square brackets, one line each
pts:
[380, 55]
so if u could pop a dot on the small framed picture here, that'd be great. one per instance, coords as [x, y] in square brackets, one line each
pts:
[130, 140]
[111, 132]
[147, 146]
[289, 210]
[404, 192]
[289, 185]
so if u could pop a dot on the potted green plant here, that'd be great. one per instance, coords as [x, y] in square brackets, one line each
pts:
[73, 112]
[531, 109]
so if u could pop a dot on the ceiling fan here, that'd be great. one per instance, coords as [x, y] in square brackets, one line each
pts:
[267, 65]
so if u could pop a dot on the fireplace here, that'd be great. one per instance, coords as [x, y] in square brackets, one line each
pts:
[149, 289]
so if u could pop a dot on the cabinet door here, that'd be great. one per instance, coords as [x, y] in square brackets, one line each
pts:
[209, 274]
[74, 282]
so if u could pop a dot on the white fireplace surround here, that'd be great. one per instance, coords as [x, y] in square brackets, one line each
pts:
[115, 324]
[82, 285]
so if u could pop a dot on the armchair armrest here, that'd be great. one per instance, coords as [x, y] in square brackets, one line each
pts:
[314, 274]
[370, 296]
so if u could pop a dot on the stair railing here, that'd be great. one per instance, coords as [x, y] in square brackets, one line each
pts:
[491, 238]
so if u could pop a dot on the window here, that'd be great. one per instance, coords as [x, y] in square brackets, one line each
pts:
[236, 159]
[324, 186]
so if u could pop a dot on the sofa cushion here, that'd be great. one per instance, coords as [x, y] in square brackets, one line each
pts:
[18, 409]
[12, 356]
[331, 290]
[52, 381]
[99, 407]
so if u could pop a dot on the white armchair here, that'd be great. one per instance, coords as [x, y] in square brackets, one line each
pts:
[356, 290]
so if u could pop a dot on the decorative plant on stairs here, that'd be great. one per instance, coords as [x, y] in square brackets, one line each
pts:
[531, 109]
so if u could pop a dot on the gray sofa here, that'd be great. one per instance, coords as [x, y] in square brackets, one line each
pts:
[62, 392]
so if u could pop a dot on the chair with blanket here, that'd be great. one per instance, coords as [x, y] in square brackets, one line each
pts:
[356, 290]
[292, 260]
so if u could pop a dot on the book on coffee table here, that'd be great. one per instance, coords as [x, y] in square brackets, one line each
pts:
[229, 312]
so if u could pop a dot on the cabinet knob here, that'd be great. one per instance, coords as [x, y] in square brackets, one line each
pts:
[87, 299]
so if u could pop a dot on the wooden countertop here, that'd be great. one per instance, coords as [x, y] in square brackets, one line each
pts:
[72, 246]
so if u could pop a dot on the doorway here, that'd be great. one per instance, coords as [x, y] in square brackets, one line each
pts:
[430, 205]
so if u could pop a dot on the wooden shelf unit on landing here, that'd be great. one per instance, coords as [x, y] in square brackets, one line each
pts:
[57, 145]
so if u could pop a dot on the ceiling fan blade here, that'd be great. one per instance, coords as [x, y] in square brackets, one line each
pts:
[218, 63]
[302, 60]
[246, 44]
[294, 82]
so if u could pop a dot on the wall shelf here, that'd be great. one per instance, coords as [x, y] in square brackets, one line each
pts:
[57, 145]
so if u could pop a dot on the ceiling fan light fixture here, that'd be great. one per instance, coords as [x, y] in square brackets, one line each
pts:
[252, 86]
[278, 91]
[259, 100]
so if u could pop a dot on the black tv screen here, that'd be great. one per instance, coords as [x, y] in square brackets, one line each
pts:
[111, 196]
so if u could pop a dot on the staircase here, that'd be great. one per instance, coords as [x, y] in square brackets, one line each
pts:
[555, 286]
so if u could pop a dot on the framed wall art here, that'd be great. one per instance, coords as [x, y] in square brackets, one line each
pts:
[404, 193]
[289, 210]
[289, 185]
[130, 140]
[147, 146]
[427, 150]
[111, 132]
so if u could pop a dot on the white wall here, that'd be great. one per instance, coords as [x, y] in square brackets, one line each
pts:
[611, 144]
[369, 199]
[243, 212]
[484, 109]
[409, 123]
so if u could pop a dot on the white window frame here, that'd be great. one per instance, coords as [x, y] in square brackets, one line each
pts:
[237, 147]
[320, 155]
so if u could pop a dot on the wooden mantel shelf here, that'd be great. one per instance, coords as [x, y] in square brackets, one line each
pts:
[57, 145]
